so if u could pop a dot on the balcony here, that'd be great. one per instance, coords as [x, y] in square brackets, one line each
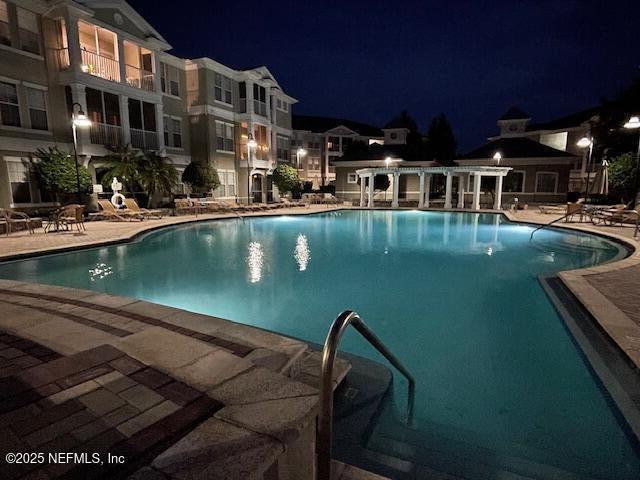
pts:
[144, 139]
[61, 56]
[105, 134]
[100, 66]
[139, 78]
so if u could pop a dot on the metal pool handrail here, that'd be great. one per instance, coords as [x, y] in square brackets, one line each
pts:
[329, 352]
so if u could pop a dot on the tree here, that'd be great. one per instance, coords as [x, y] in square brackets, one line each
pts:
[404, 120]
[286, 178]
[155, 174]
[56, 172]
[622, 176]
[123, 163]
[441, 140]
[201, 177]
[381, 182]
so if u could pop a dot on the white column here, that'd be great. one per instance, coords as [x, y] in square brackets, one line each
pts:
[396, 190]
[447, 191]
[362, 190]
[427, 190]
[421, 194]
[160, 126]
[73, 43]
[124, 119]
[121, 59]
[371, 190]
[325, 170]
[497, 201]
[461, 180]
[476, 192]
[79, 95]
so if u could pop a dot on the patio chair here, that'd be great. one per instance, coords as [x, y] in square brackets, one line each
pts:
[617, 216]
[573, 209]
[187, 205]
[11, 217]
[132, 205]
[109, 211]
[70, 215]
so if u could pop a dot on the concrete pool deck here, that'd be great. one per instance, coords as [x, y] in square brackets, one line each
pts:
[195, 396]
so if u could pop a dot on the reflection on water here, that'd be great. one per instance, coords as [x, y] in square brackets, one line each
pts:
[100, 271]
[255, 260]
[302, 252]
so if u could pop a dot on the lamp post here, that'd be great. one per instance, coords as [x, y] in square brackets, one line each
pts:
[301, 152]
[634, 124]
[585, 142]
[78, 119]
[251, 145]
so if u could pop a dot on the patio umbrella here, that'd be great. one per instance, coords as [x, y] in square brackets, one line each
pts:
[600, 185]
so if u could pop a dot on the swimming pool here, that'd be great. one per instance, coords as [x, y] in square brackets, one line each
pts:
[454, 295]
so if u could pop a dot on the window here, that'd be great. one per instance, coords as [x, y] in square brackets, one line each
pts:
[223, 92]
[513, 182]
[19, 181]
[165, 126]
[36, 100]
[333, 144]
[224, 137]
[176, 125]
[282, 105]
[9, 107]
[352, 178]
[259, 100]
[242, 95]
[28, 31]
[169, 79]
[546, 182]
[260, 136]
[282, 148]
[227, 186]
[5, 32]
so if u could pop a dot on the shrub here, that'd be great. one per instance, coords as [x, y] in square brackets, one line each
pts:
[56, 172]
[201, 177]
[286, 178]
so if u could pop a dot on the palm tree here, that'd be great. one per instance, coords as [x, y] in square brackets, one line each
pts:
[156, 174]
[123, 163]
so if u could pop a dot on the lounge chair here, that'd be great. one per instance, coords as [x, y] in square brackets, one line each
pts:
[10, 217]
[187, 205]
[615, 216]
[133, 206]
[109, 211]
[552, 209]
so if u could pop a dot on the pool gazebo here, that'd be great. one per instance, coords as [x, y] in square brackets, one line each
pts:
[367, 176]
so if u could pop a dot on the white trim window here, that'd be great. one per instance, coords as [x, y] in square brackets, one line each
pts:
[176, 132]
[227, 186]
[223, 88]
[169, 79]
[9, 105]
[225, 137]
[259, 100]
[352, 178]
[19, 184]
[546, 182]
[28, 31]
[514, 181]
[282, 105]
[167, 130]
[37, 103]
[282, 148]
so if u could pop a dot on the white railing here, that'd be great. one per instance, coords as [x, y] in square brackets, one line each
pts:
[144, 139]
[100, 66]
[139, 78]
[104, 134]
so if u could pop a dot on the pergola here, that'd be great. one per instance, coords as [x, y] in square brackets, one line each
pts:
[425, 173]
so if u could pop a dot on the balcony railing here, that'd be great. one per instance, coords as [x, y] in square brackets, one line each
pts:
[100, 66]
[139, 78]
[104, 134]
[144, 139]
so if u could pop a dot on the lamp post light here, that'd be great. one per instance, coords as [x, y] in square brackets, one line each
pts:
[80, 120]
[301, 152]
[585, 142]
[634, 124]
[251, 145]
[497, 157]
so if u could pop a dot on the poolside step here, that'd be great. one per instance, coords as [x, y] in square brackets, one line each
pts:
[342, 471]
[310, 368]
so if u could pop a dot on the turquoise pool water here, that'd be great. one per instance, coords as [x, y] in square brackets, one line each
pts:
[454, 295]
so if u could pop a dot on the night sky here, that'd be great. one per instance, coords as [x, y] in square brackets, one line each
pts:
[367, 60]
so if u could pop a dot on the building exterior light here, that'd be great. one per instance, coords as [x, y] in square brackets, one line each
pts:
[497, 157]
[81, 120]
[301, 152]
[633, 123]
[584, 142]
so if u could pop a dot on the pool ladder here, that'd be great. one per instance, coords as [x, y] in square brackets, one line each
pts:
[329, 352]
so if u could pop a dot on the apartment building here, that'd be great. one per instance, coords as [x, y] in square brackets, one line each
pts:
[105, 59]
[318, 141]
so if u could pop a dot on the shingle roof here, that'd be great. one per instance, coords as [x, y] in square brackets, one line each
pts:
[514, 113]
[322, 124]
[515, 147]
[568, 121]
